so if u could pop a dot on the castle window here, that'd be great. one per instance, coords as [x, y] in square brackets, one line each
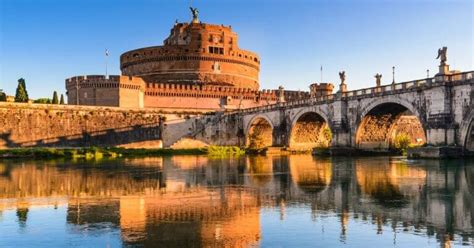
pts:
[216, 50]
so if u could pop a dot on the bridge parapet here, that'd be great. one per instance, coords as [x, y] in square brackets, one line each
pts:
[369, 92]
[431, 110]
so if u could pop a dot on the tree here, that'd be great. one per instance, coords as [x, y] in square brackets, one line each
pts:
[55, 97]
[21, 95]
[3, 96]
[22, 82]
[62, 100]
[42, 100]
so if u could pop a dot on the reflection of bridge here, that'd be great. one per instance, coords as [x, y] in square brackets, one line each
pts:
[437, 111]
[206, 197]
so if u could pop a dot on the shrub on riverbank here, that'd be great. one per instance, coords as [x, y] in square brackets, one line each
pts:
[113, 152]
[47, 153]
[224, 151]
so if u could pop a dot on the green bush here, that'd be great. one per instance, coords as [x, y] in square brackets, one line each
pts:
[3, 96]
[327, 134]
[98, 153]
[402, 142]
[224, 151]
[42, 100]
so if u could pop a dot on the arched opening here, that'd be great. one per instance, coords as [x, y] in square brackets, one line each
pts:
[260, 134]
[389, 126]
[310, 131]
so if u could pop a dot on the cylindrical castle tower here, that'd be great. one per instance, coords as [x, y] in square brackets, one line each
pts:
[195, 53]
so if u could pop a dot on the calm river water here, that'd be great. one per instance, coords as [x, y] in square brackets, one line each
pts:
[266, 201]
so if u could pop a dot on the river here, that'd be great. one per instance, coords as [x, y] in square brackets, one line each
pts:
[250, 201]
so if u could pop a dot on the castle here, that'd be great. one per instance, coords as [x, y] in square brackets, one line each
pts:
[199, 67]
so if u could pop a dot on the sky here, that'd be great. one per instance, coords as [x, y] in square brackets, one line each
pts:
[47, 41]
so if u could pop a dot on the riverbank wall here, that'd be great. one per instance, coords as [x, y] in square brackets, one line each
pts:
[47, 125]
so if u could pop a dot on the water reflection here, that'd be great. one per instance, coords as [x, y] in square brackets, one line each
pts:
[196, 201]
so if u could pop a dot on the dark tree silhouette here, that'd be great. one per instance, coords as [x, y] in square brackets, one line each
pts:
[21, 94]
[55, 97]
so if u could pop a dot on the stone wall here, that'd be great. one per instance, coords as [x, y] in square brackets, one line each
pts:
[28, 125]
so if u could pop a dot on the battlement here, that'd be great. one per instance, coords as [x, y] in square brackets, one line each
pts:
[92, 78]
[321, 89]
[212, 91]
[100, 81]
[178, 53]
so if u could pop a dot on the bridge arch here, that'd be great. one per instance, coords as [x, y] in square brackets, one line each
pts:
[309, 129]
[259, 132]
[467, 132]
[386, 124]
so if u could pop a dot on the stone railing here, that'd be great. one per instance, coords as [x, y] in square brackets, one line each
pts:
[366, 92]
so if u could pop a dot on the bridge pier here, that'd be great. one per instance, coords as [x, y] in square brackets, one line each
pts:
[441, 137]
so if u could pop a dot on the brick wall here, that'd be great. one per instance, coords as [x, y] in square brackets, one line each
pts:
[27, 125]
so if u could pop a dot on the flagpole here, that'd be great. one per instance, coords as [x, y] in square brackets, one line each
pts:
[321, 73]
[106, 62]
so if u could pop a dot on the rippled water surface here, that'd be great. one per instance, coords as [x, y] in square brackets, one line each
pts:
[271, 201]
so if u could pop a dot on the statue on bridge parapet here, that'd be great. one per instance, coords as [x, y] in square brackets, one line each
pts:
[281, 94]
[378, 79]
[343, 85]
[443, 56]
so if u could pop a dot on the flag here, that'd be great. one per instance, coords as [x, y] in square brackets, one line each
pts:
[106, 52]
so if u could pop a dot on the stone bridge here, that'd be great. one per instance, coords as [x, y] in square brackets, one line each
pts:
[434, 112]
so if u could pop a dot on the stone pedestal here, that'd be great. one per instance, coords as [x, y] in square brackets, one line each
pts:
[443, 69]
[342, 88]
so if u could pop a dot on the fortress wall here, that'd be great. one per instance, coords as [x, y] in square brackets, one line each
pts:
[207, 104]
[133, 92]
[29, 125]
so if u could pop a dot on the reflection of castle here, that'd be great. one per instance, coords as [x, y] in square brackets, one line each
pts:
[200, 66]
[182, 200]
[182, 219]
